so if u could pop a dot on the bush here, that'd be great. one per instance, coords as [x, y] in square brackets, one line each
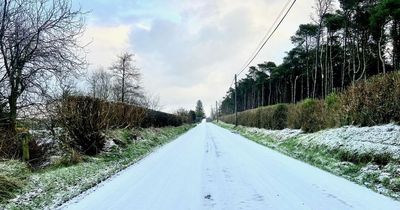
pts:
[311, 115]
[9, 146]
[160, 119]
[266, 117]
[270, 117]
[372, 102]
[81, 117]
[333, 114]
[294, 121]
[280, 117]
[249, 118]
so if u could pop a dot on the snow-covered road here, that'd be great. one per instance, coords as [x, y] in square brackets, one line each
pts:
[211, 168]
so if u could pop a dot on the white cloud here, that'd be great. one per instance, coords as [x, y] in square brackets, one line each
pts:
[193, 50]
[105, 43]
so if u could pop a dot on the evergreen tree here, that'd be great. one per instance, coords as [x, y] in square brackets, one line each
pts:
[358, 40]
[199, 110]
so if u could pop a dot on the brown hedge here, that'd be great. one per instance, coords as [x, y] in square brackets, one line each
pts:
[372, 102]
[85, 118]
[270, 117]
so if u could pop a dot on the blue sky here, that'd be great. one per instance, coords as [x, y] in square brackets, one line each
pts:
[187, 49]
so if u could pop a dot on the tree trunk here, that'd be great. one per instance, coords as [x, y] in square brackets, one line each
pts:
[380, 50]
[316, 61]
[270, 93]
[344, 57]
[323, 76]
[307, 69]
[331, 65]
[295, 89]
[302, 88]
[12, 102]
[262, 94]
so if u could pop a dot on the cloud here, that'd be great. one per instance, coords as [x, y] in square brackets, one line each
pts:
[105, 43]
[190, 50]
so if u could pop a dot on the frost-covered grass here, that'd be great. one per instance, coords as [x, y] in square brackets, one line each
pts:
[52, 186]
[12, 177]
[368, 155]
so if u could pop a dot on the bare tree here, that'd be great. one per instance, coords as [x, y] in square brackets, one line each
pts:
[38, 38]
[126, 87]
[151, 101]
[100, 84]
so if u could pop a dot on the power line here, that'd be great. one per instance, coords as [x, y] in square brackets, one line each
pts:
[268, 32]
[258, 51]
[269, 37]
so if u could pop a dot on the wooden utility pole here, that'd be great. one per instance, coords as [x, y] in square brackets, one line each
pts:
[236, 115]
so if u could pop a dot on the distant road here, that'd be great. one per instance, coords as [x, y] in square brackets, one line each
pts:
[211, 168]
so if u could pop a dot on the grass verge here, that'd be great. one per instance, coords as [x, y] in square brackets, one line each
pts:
[54, 185]
[380, 176]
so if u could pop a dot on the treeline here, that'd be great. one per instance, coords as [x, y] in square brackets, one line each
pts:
[358, 40]
[367, 103]
[192, 116]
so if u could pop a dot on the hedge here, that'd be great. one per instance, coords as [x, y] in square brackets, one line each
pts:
[375, 101]
[85, 118]
[367, 103]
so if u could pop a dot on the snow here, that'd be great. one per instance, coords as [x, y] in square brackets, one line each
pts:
[212, 168]
[279, 135]
[383, 139]
[49, 143]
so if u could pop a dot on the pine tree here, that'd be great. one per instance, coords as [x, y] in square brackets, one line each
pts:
[199, 110]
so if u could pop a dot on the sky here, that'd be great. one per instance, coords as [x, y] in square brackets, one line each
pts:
[188, 49]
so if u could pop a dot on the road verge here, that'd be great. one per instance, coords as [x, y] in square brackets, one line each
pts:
[52, 186]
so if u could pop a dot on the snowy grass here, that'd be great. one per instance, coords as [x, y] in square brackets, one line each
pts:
[368, 156]
[54, 185]
[12, 178]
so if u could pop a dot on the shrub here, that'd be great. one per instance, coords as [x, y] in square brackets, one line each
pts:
[9, 146]
[333, 114]
[294, 116]
[270, 117]
[160, 119]
[280, 117]
[372, 102]
[311, 115]
[81, 117]
[266, 119]
[250, 118]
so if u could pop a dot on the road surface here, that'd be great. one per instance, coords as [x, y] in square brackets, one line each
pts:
[211, 168]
